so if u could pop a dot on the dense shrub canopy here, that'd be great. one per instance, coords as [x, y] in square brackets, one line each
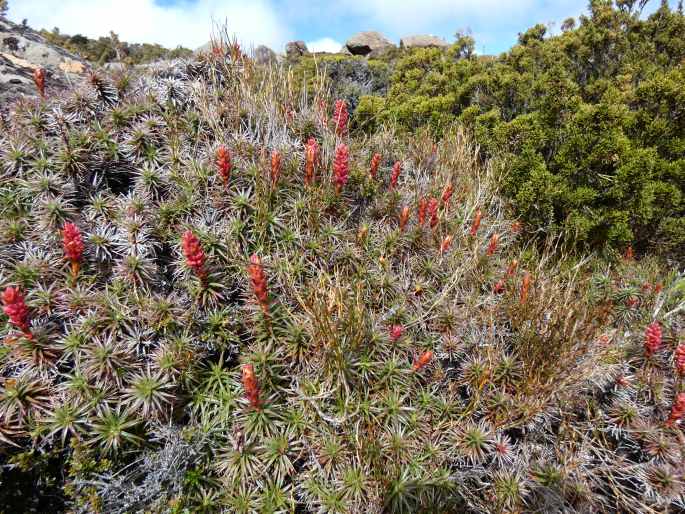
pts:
[590, 121]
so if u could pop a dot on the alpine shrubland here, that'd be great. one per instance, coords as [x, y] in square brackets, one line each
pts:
[218, 297]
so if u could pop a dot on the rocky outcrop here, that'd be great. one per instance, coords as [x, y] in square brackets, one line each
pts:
[369, 43]
[22, 51]
[296, 49]
[264, 55]
[423, 41]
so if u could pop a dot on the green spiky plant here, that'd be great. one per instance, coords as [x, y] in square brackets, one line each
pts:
[311, 332]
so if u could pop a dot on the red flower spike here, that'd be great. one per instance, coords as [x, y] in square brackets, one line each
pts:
[39, 79]
[311, 150]
[14, 306]
[679, 358]
[447, 194]
[258, 279]
[433, 212]
[341, 167]
[195, 256]
[525, 286]
[375, 162]
[72, 242]
[476, 223]
[658, 288]
[340, 116]
[423, 204]
[445, 245]
[423, 360]
[396, 331]
[223, 163]
[275, 166]
[629, 254]
[677, 410]
[492, 246]
[653, 335]
[512, 268]
[498, 288]
[251, 386]
[404, 218]
[396, 170]
[516, 227]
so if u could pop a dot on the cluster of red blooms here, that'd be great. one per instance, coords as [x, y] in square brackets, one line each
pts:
[423, 360]
[404, 218]
[311, 152]
[396, 170]
[340, 116]
[195, 256]
[492, 246]
[677, 409]
[476, 223]
[375, 162]
[251, 386]
[396, 331]
[275, 166]
[15, 307]
[341, 167]
[39, 79]
[652, 338]
[223, 163]
[680, 359]
[258, 279]
[72, 242]
[499, 286]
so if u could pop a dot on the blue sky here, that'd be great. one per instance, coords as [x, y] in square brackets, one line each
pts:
[324, 25]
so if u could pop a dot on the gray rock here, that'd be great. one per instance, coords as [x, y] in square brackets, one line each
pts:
[22, 51]
[296, 49]
[368, 43]
[264, 55]
[423, 41]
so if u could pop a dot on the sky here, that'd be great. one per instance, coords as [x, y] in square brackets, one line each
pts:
[323, 25]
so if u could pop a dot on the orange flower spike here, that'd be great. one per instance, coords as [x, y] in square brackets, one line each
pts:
[375, 162]
[492, 247]
[433, 212]
[525, 286]
[223, 163]
[423, 204]
[258, 279]
[511, 270]
[476, 223]
[423, 360]
[311, 160]
[445, 245]
[395, 175]
[39, 79]
[251, 386]
[629, 254]
[447, 194]
[276, 160]
[677, 410]
[404, 218]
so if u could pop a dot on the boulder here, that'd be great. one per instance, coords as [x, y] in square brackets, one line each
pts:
[369, 43]
[264, 55]
[423, 41]
[22, 51]
[296, 49]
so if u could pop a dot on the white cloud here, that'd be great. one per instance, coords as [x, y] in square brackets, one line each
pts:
[189, 23]
[325, 44]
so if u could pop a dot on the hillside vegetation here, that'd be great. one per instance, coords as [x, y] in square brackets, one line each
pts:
[590, 121]
[223, 292]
